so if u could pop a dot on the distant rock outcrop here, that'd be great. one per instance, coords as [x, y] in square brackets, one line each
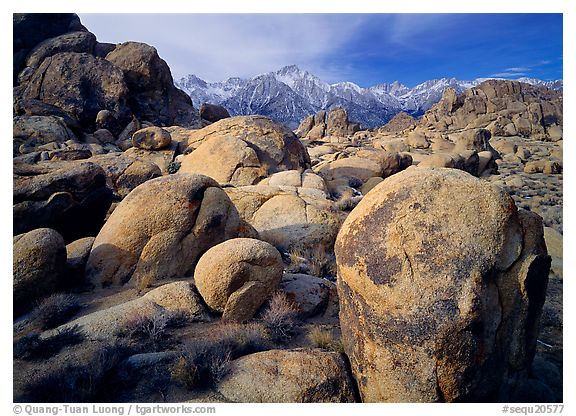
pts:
[441, 282]
[505, 108]
[399, 122]
[333, 123]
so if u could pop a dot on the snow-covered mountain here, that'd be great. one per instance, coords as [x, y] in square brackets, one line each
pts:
[290, 94]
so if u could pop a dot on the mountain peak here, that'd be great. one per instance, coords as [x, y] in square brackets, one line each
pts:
[290, 94]
[349, 86]
[290, 69]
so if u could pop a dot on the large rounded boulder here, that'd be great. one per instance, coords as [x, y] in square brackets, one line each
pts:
[81, 42]
[30, 29]
[244, 150]
[38, 263]
[160, 230]
[237, 276]
[81, 85]
[441, 282]
[153, 96]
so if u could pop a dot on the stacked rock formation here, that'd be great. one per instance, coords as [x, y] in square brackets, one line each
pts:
[334, 123]
[505, 108]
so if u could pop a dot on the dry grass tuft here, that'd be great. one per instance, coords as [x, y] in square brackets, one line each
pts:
[206, 360]
[55, 310]
[280, 317]
[323, 338]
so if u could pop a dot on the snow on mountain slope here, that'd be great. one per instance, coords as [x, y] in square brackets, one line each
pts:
[290, 94]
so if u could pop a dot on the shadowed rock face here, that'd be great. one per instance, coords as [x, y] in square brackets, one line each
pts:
[68, 196]
[81, 85]
[441, 284]
[39, 260]
[59, 63]
[153, 96]
[32, 28]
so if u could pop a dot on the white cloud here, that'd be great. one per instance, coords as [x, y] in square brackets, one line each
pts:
[216, 47]
[509, 74]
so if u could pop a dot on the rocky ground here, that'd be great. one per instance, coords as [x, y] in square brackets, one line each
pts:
[167, 254]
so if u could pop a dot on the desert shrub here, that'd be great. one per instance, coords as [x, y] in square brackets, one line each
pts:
[324, 339]
[297, 262]
[151, 330]
[280, 317]
[206, 360]
[32, 347]
[316, 261]
[173, 167]
[348, 203]
[91, 381]
[355, 182]
[55, 310]
[157, 384]
[322, 263]
[184, 373]
[219, 365]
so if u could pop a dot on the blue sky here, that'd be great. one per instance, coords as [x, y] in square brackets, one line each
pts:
[365, 49]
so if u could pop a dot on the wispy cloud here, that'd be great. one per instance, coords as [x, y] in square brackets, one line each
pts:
[518, 69]
[521, 71]
[216, 47]
[363, 48]
[509, 74]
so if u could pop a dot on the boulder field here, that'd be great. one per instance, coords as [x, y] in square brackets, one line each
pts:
[167, 253]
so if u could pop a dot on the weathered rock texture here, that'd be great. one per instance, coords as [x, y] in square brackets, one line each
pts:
[441, 283]
[151, 138]
[244, 150]
[61, 70]
[153, 96]
[124, 173]
[81, 85]
[288, 376]
[39, 260]
[32, 28]
[398, 123]
[161, 229]
[237, 276]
